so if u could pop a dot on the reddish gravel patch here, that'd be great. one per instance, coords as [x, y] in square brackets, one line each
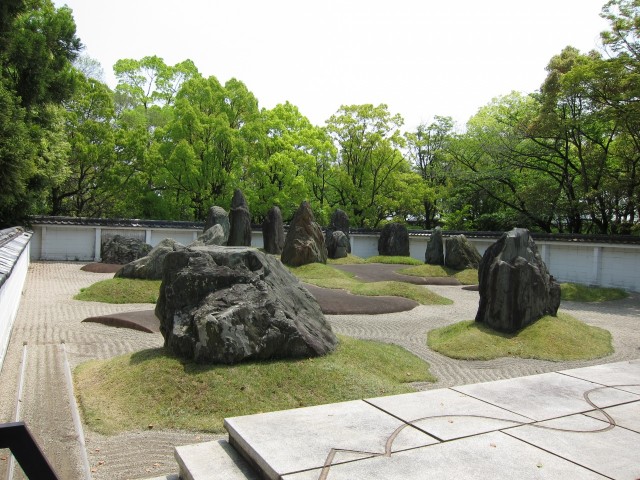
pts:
[144, 320]
[98, 267]
[382, 272]
[340, 302]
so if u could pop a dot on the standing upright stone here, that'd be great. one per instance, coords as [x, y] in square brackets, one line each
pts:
[218, 216]
[340, 223]
[461, 253]
[337, 244]
[394, 240]
[434, 255]
[240, 221]
[273, 231]
[304, 242]
[516, 288]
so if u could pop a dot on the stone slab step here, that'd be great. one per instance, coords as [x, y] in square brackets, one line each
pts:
[211, 461]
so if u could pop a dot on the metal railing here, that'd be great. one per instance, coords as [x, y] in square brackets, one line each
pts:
[17, 438]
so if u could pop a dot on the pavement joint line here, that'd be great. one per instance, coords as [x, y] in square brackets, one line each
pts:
[533, 420]
[557, 455]
[409, 423]
[12, 462]
[75, 413]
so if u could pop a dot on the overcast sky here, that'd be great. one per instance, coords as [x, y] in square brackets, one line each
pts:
[420, 57]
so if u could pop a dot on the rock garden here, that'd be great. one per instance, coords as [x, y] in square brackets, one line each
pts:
[246, 330]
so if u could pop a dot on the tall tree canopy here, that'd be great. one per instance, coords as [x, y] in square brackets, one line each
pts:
[37, 47]
[365, 175]
[169, 143]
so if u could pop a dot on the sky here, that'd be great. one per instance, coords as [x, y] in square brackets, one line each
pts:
[419, 57]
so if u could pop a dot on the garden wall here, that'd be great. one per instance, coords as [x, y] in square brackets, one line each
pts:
[14, 263]
[591, 262]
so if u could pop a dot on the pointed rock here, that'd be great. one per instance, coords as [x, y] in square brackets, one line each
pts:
[240, 220]
[394, 240]
[304, 242]
[516, 288]
[273, 231]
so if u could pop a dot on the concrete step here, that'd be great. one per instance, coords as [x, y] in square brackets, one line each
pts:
[211, 461]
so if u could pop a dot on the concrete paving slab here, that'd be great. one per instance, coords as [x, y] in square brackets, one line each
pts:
[492, 455]
[289, 441]
[624, 375]
[625, 416]
[546, 396]
[447, 414]
[584, 440]
[212, 460]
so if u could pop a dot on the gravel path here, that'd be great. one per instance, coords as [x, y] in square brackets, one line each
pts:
[48, 316]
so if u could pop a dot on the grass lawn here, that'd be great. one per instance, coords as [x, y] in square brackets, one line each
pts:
[152, 388]
[121, 290]
[394, 260]
[466, 277]
[125, 290]
[328, 277]
[576, 292]
[550, 338]
[354, 259]
[348, 260]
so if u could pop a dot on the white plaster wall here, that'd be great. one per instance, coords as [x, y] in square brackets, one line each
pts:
[418, 247]
[257, 240]
[107, 233]
[620, 267]
[10, 296]
[364, 245]
[34, 244]
[571, 262]
[185, 237]
[66, 243]
[607, 265]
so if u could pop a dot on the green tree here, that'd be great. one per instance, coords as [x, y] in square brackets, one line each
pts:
[37, 47]
[204, 146]
[369, 143]
[624, 19]
[144, 103]
[283, 161]
[94, 180]
[427, 149]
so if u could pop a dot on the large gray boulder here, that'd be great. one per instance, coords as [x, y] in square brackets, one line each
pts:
[122, 250]
[230, 304]
[150, 267]
[240, 220]
[434, 255]
[273, 231]
[218, 216]
[215, 235]
[516, 288]
[461, 253]
[337, 244]
[304, 242]
[394, 240]
[339, 222]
